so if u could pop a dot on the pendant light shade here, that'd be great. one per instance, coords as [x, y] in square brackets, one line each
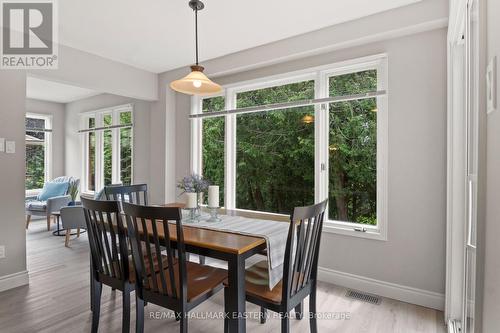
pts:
[196, 83]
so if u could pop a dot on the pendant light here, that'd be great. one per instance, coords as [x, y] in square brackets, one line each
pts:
[196, 83]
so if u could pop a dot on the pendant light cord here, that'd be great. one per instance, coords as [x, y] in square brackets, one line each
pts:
[196, 32]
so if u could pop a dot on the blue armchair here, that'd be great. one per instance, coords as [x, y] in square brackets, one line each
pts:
[35, 207]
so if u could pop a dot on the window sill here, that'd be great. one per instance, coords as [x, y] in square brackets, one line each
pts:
[257, 214]
[339, 228]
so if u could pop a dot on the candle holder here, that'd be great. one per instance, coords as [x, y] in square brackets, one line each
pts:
[214, 215]
[193, 217]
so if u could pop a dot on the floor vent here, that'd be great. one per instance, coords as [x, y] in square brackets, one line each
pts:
[360, 296]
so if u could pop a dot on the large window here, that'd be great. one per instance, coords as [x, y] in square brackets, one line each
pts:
[38, 133]
[107, 147]
[274, 160]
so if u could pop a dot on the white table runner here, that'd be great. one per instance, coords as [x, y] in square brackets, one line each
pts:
[275, 234]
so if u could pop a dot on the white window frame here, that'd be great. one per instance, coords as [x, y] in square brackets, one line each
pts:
[321, 77]
[99, 146]
[48, 165]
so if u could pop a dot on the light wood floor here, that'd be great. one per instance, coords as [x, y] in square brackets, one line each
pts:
[57, 300]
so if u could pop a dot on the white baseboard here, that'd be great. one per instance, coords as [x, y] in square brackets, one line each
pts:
[13, 280]
[406, 294]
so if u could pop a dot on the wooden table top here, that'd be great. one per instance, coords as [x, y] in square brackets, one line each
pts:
[218, 240]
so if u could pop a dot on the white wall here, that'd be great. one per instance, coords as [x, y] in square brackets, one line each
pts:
[414, 255]
[12, 166]
[73, 165]
[56, 111]
[491, 298]
[86, 70]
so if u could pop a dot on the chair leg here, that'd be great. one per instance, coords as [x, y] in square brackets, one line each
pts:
[28, 220]
[96, 293]
[139, 315]
[126, 310]
[184, 323]
[78, 233]
[285, 323]
[226, 313]
[312, 311]
[202, 260]
[66, 238]
[298, 310]
[263, 315]
[49, 218]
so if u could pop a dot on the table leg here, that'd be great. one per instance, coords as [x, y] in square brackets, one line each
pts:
[236, 299]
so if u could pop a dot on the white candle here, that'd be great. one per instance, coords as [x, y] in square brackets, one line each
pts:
[213, 196]
[191, 200]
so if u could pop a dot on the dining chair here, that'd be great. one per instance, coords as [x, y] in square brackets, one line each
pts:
[300, 270]
[137, 194]
[182, 285]
[111, 264]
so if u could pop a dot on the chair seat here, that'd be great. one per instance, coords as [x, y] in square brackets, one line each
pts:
[148, 268]
[257, 283]
[201, 280]
[40, 206]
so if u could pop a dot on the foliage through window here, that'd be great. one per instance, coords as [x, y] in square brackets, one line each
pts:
[353, 150]
[36, 152]
[275, 150]
[213, 145]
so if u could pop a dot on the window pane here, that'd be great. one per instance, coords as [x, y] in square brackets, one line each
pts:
[91, 161]
[353, 150]
[91, 156]
[353, 83]
[35, 154]
[275, 151]
[108, 151]
[213, 144]
[126, 118]
[126, 155]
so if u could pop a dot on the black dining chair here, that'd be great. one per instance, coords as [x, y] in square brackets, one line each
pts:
[111, 264]
[136, 194]
[300, 271]
[180, 286]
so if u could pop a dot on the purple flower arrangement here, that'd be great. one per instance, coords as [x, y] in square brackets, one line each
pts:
[193, 184]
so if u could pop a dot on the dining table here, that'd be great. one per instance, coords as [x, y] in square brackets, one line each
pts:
[231, 247]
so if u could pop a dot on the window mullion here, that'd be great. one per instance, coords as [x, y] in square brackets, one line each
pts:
[196, 136]
[230, 152]
[321, 139]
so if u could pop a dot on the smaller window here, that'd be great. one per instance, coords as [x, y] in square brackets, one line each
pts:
[38, 134]
[108, 149]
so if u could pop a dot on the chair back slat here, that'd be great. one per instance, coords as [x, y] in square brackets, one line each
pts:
[149, 228]
[302, 248]
[107, 238]
[136, 194]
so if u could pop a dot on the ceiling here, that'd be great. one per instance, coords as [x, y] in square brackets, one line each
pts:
[55, 92]
[158, 35]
